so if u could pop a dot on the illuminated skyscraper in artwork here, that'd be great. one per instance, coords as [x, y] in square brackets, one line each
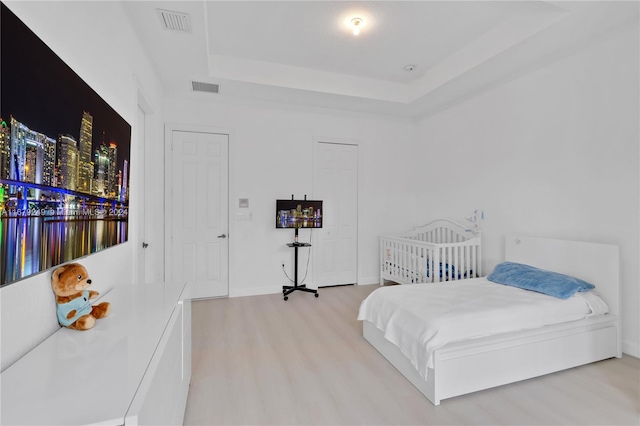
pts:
[18, 150]
[112, 171]
[32, 155]
[49, 162]
[124, 189]
[100, 167]
[85, 166]
[67, 162]
[5, 150]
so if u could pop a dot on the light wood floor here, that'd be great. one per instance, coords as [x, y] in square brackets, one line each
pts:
[260, 360]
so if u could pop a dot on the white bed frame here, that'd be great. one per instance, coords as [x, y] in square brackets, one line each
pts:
[482, 363]
[419, 255]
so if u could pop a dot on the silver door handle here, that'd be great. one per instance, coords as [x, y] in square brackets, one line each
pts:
[222, 236]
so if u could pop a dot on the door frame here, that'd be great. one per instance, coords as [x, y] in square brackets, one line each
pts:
[315, 152]
[143, 256]
[169, 128]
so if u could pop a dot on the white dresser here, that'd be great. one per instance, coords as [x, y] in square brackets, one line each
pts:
[133, 367]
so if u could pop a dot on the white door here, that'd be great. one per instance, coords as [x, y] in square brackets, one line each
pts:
[335, 246]
[199, 239]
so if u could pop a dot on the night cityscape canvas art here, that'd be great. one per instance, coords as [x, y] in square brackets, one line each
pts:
[64, 160]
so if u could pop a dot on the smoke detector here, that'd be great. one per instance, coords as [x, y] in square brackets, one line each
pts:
[175, 21]
[409, 67]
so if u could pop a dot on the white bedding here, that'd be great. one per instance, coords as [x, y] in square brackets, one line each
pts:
[421, 318]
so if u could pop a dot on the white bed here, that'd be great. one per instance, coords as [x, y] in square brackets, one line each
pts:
[444, 370]
[441, 250]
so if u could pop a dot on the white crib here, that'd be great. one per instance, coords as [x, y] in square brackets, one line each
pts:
[442, 250]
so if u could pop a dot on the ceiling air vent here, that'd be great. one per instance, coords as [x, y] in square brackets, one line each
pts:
[175, 21]
[199, 86]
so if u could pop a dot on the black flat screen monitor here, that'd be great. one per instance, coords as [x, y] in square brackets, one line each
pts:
[298, 214]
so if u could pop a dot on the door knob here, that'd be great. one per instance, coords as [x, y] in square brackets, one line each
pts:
[222, 236]
[145, 245]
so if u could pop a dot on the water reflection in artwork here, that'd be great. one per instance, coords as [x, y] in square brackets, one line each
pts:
[33, 244]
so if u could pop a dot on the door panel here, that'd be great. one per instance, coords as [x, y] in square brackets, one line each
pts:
[200, 165]
[348, 208]
[213, 269]
[187, 268]
[336, 183]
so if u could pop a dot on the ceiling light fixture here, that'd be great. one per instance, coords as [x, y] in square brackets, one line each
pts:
[356, 22]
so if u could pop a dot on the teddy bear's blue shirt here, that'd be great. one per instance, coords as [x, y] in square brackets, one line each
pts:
[80, 304]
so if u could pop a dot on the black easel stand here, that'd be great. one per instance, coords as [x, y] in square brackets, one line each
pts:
[288, 289]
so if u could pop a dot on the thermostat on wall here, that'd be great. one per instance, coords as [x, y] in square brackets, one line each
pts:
[243, 202]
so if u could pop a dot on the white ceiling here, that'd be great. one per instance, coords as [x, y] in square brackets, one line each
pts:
[303, 52]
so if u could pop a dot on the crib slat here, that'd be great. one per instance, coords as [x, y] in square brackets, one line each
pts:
[467, 264]
[448, 272]
[474, 259]
[456, 263]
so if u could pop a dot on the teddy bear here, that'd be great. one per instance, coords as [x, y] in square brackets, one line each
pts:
[70, 283]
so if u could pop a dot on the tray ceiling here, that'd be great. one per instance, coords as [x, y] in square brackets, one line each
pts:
[303, 52]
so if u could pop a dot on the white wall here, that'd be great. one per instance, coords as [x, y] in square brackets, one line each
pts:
[96, 40]
[553, 154]
[271, 157]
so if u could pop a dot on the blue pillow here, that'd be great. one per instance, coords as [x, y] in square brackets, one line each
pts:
[534, 279]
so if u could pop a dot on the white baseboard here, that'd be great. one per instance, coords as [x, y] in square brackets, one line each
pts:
[259, 291]
[631, 348]
[369, 280]
[254, 291]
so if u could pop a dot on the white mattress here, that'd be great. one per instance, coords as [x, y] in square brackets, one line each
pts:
[421, 318]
